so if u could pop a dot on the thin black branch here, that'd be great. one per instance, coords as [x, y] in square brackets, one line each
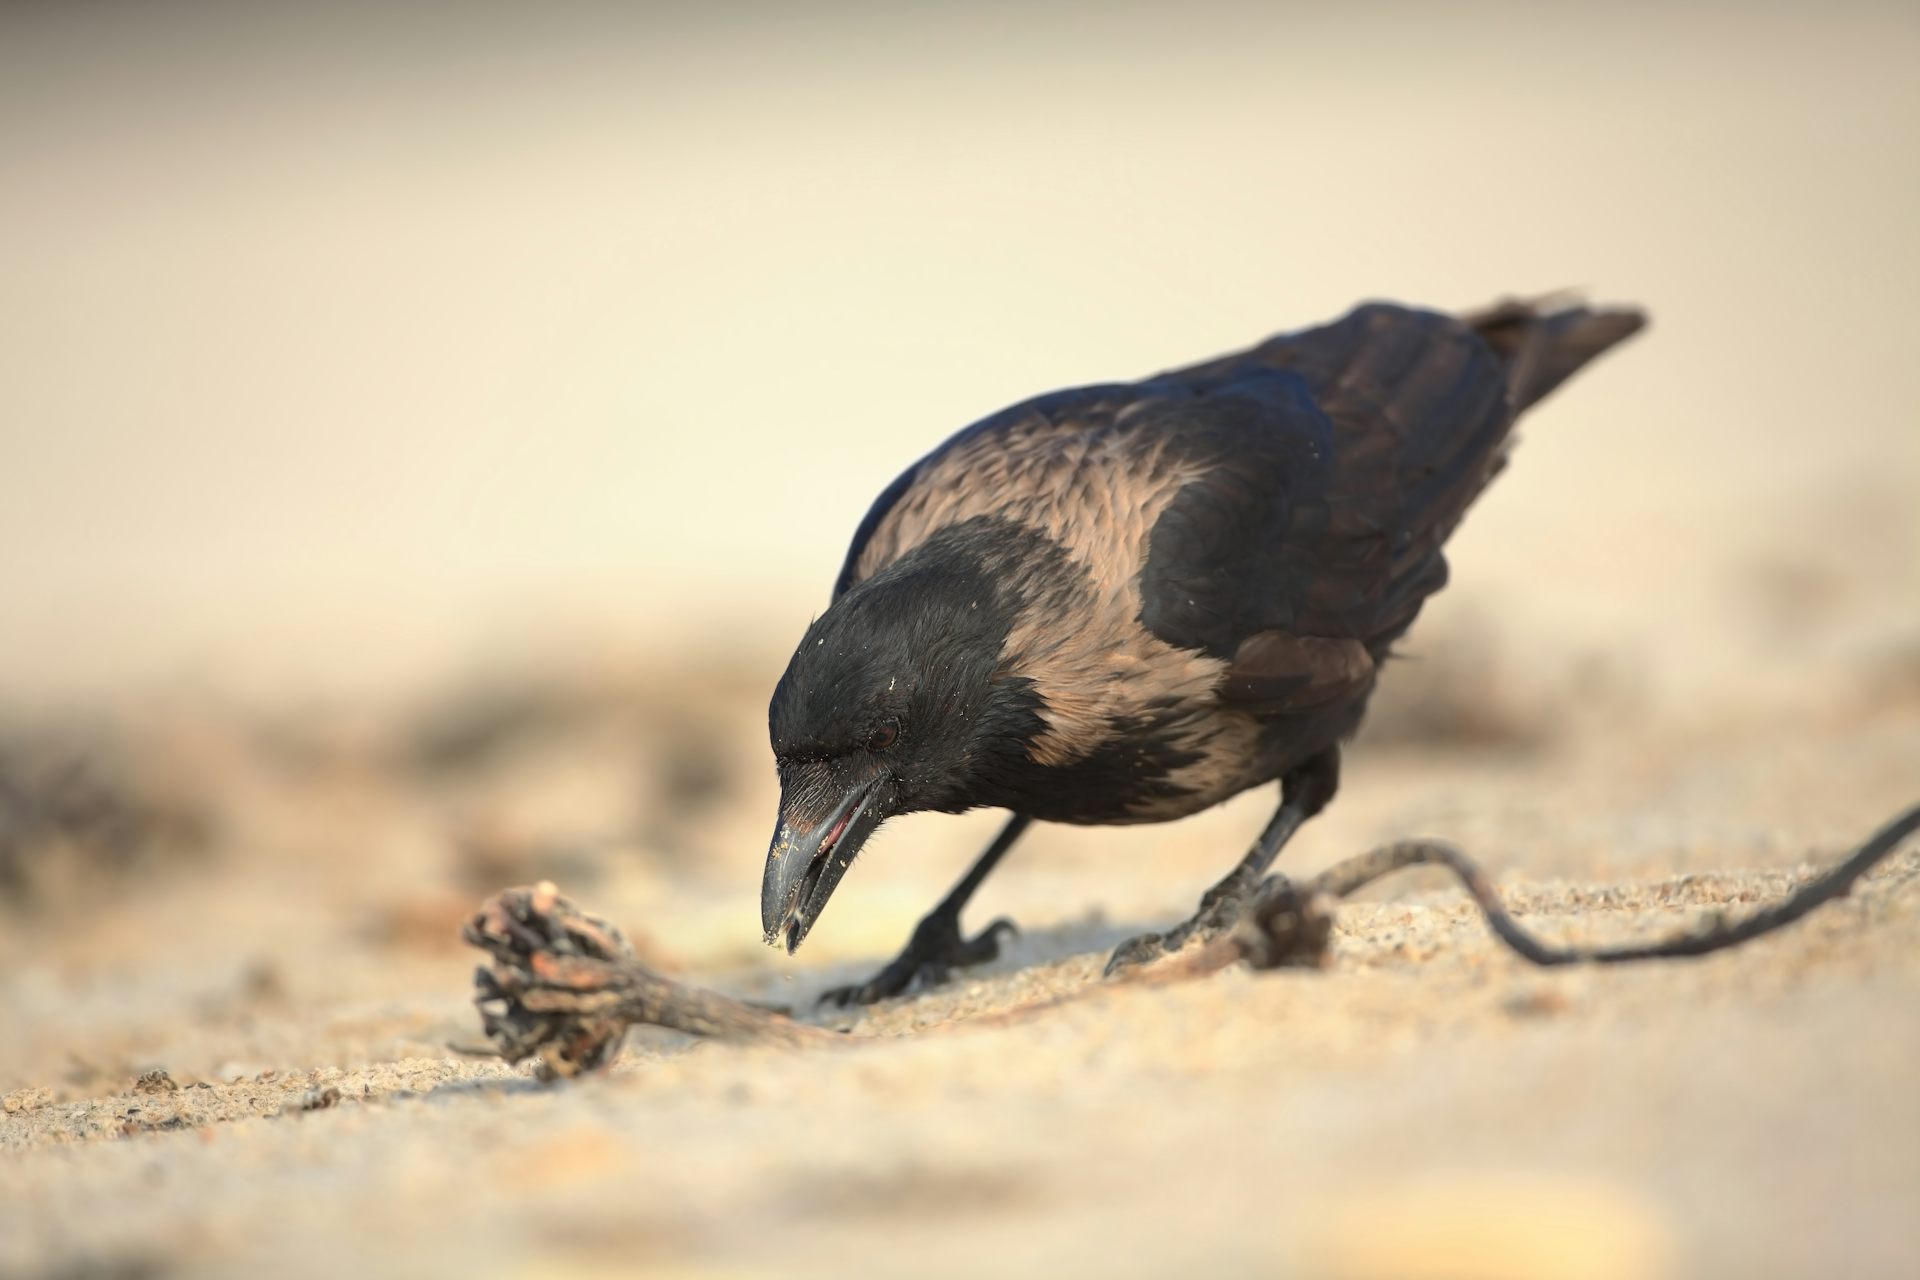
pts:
[1347, 877]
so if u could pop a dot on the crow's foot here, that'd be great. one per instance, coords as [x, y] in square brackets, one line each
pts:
[931, 955]
[1219, 911]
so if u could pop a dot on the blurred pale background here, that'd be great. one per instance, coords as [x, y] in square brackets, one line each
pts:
[347, 342]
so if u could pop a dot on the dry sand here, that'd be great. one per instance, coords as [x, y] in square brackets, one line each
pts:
[1429, 1106]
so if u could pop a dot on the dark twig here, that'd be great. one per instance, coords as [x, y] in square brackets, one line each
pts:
[564, 986]
[1348, 877]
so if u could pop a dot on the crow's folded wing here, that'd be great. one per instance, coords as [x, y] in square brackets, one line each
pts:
[1305, 594]
[1281, 510]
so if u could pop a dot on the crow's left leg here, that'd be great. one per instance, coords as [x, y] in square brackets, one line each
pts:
[937, 947]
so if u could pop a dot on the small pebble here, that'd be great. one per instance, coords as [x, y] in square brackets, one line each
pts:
[155, 1081]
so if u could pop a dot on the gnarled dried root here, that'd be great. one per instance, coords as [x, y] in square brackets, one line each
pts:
[564, 986]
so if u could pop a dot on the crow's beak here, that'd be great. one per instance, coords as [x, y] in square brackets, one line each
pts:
[809, 855]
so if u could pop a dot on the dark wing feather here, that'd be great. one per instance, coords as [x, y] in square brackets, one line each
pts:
[1328, 469]
[1277, 672]
[1404, 412]
[1420, 407]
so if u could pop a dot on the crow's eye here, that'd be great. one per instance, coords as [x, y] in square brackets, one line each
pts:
[882, 737]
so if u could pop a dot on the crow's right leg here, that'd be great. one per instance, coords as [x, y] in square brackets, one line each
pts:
[1304, 791]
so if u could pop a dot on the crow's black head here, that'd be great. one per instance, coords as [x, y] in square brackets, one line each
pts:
[895, 701]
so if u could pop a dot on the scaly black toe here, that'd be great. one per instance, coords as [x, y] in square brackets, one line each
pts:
[931, 955]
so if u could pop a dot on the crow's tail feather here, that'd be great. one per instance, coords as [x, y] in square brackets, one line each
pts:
[1545, 341]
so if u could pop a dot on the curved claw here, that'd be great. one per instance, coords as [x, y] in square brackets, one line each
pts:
[1135, 952]
[1216, 915]
[880, 986]
[985, 945]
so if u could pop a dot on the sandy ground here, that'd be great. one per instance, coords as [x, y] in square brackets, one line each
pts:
[1427, 1106]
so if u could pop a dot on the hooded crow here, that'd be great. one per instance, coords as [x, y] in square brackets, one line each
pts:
[1126, 603]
